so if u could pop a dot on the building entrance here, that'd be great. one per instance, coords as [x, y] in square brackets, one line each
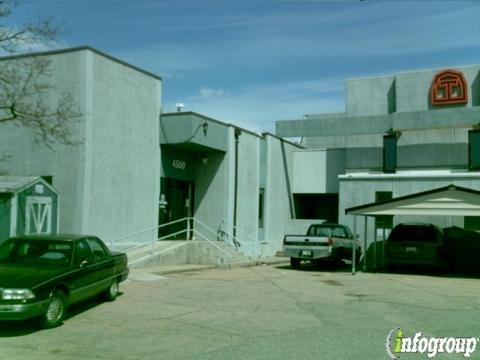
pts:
[177, 197]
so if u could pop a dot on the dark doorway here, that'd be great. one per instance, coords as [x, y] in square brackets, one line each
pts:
[316, 206]
[179, 204]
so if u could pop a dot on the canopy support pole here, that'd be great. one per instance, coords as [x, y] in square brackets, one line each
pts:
[375, 244]
[354, 244]
[365, 243]
[383, 246]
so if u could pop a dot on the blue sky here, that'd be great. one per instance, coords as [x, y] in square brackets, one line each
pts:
[254, 62]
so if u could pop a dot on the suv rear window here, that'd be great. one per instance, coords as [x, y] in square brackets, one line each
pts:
[414, 233]
[323, 230]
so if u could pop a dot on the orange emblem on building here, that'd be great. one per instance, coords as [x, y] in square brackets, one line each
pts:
[449, 87]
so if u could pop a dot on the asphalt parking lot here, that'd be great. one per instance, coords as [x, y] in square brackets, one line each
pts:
[260, 312]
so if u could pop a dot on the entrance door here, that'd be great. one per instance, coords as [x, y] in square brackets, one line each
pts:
[38, 215]
[179, 198]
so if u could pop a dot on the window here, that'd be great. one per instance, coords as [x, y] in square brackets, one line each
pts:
[474, 149]
[327, 230]
[448, 87]
[83, 252]
[261, 200]
[383, 221]
[390, 153]
[99, 251]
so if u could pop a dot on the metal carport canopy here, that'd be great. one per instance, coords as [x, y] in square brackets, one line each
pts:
[449, 200]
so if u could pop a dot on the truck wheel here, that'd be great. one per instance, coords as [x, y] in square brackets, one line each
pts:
[112, 291]
[295, 263]
[55, 311]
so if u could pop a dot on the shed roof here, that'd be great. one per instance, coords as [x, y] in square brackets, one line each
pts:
[12, 184]
[450, 200]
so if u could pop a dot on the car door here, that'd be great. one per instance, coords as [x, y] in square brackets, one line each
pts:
[104, 262]
[85, 278]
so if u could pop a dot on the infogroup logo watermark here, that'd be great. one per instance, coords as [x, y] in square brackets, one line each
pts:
[397, 343]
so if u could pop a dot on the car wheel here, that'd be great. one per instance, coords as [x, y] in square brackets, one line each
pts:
[295, 263]
[55, 311]
[112, 290]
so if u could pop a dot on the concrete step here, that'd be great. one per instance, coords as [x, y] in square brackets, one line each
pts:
[177, 252]
[159, 249]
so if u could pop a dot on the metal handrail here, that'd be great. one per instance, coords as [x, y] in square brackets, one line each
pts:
[224, 237]
[205, 226]
[130, 235]
[247, 244]
[239, 229]
[173, 222]
[225, 253]
[172, 234]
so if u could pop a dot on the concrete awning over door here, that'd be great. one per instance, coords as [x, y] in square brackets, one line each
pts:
[450, 200]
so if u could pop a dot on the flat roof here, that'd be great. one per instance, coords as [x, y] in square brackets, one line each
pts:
[262, 135]
[80, 48]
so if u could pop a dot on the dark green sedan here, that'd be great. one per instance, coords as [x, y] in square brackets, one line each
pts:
[41, 275]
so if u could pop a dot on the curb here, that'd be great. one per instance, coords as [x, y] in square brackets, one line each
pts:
[193, 267]
[269, 261]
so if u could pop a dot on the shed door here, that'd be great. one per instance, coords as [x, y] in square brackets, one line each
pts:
[38, 215]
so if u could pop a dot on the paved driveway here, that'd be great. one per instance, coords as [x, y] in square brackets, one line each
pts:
[262, 312]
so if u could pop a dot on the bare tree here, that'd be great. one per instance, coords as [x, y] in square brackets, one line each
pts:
[27, 96]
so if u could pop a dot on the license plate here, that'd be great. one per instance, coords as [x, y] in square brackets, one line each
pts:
[306, 253]
[411, 249]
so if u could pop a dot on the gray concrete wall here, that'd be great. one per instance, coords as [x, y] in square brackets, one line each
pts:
[278, 198]
[413, 88]
[248, 187]
[212, 192]
[122, 151]
[64, 163]
[316, 171]
[445, 118]
[370, 96]
[108, 184]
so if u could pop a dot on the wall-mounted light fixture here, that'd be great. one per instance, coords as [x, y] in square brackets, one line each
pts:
[237, 133]
[205, 127]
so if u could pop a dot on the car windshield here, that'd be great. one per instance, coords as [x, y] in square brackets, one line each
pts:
[325, 230]
[34, 251]
[413, 233]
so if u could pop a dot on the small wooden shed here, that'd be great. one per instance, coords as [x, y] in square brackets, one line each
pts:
[28, 205]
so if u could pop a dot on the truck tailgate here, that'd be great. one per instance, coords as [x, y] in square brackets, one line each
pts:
[306, 241]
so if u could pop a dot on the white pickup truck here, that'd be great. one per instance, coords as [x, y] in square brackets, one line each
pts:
[323, 241]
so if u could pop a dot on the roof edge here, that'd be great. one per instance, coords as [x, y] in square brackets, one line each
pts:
[411, 196]
[80, 48]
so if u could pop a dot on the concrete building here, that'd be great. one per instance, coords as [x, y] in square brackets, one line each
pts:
[108, 184]
[230, 179]
[136, 169]
[399, 135]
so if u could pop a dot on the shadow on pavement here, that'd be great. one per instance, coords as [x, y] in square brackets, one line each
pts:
[29, 326]
[326, 266]
[424, 271]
